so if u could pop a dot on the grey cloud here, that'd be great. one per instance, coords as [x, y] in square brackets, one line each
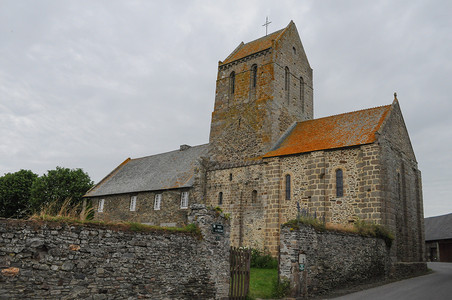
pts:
[90, 83]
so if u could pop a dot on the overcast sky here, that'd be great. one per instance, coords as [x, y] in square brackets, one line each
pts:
[86, 84]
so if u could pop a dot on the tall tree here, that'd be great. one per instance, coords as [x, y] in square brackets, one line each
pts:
[15, 190]
[58, 185]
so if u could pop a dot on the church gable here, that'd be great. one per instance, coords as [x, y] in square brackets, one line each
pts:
[244, 50]
[395, 132]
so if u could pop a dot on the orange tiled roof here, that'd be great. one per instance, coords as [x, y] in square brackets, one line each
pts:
[345, 130]
[253, 47]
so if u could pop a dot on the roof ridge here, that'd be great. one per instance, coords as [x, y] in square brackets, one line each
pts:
[266, 36]
[255, 46]
[109, 175]
[354, 128]
[240, 46]
[350, 112]
[440, 216]
[147, 156]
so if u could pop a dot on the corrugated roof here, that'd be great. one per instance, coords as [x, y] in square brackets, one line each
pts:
[344, 130]
[253, 47]
[169, 170]
[438, 228]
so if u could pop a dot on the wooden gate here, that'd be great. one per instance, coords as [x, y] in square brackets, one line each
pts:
[240, 273]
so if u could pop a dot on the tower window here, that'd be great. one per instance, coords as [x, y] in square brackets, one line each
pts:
[339, 183]
[287, 83]
[294, 50]
[287, 187]
[230, 176]
[302, 93]
[232, 83]
[220, 198]
[253, 76]
[254, 197]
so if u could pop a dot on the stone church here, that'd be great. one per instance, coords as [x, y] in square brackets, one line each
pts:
[268, 159]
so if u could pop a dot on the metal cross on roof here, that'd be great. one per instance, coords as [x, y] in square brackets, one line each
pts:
[266, 25]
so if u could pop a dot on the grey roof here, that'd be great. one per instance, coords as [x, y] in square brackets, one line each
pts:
[168, 170]
[438, 228]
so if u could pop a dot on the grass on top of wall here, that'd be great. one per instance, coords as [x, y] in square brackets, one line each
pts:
[75, 214]
[359, 227]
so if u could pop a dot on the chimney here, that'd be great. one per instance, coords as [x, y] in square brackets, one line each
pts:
[184, 147]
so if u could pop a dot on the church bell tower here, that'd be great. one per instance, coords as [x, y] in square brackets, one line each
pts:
[262, 88]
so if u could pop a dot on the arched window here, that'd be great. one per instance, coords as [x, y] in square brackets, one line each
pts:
[302, 93]
[232, 83]
[339, 183]
[220, 198]
[287, 83]
[253, 76]
[287, 187]
[254, 197]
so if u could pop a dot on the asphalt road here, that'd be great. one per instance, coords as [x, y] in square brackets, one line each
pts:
[434, 286]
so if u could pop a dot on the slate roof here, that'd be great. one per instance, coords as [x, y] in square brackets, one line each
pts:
[255, 46]
[438, 228]
[168, 170]
[344, 130]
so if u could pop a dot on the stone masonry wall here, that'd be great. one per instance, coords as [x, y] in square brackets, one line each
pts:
[48, 260]
[240, 126]
[248, 122]
[298, 99]
[403, 209]
[170, 214]
[313, 188]
[332, 259]
[313, 185]
[237, 186]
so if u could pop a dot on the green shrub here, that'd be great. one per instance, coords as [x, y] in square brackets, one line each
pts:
[280, 288]
[316, 223]
[383, 233]
[368, 229]
[262, 260]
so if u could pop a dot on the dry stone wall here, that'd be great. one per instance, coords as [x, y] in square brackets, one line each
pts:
[46, 260]
[332, 259]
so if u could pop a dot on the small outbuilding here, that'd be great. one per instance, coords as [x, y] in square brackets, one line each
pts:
[438, 238]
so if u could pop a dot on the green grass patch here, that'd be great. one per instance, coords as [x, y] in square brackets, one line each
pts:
[191, 229]
[261, 283]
